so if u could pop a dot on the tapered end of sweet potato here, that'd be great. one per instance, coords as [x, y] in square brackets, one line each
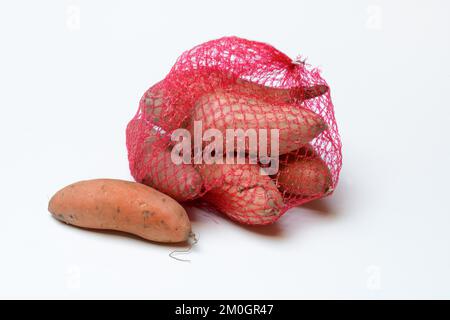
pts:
[315, 91]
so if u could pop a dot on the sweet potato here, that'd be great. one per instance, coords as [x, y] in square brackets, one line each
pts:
[211, 80]
[279, 94]
[305, 176]
[241, 192]
[162, 109]
[180, 181]
[155, 167]
[224, 110]
[123, 206]
[311, 92]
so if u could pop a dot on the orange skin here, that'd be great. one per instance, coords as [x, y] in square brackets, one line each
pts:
[242, 193]
[179, 181]
[305, 176]
[224, 110]
[122, 206]
[155, 167]
[281, 95]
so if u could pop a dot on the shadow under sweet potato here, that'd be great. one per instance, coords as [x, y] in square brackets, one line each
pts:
[126, 235]
[197, 214]
[320, 206]
[270, 230]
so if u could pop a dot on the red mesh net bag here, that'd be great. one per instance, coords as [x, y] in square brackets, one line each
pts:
[239, 126]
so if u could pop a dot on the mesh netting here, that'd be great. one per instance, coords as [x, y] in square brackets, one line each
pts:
[233, 83]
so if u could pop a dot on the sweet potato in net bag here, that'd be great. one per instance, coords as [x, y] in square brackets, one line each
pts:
[249, 87]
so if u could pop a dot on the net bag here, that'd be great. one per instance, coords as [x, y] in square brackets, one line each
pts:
[238, 126]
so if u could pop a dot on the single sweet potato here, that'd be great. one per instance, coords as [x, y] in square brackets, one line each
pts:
[123, 206]
[223, 110]
[152, 164]
[280, 94]
[242, 193]
[307, 175]
[180, 181]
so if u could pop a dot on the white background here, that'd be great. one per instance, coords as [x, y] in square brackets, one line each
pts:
[71, 76]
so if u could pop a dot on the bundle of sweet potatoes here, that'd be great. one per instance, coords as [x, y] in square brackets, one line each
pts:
[238, 190]
[235, 125]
